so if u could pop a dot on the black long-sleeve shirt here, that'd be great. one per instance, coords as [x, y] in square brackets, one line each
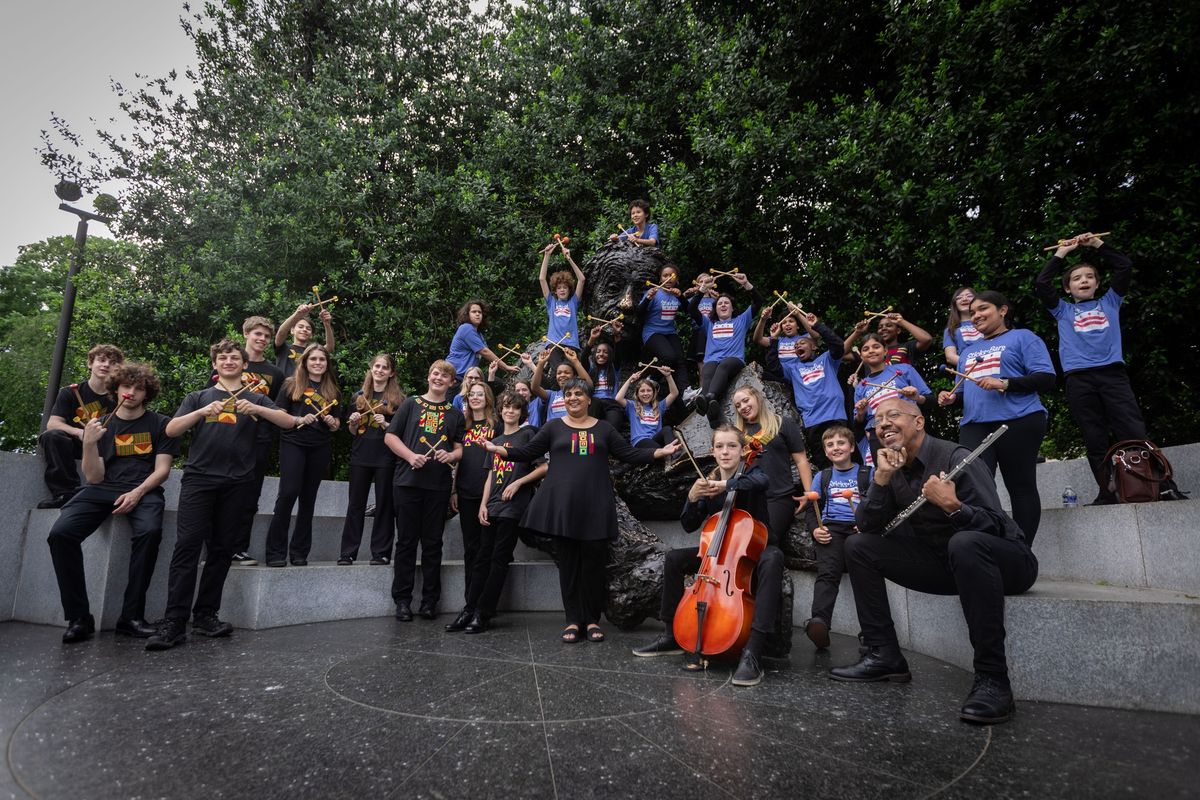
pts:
[751, 488]
[835, 343]
[974, 487]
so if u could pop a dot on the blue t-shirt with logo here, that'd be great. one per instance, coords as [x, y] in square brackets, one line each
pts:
[903, 375]
[647, 423]
[1089, 332]
[465, 348]
[816, 389]
[838, 507]
[726, 338]
[1013, 354]
[562, 318]
[556, 405]
[963, 335]
[661, 310]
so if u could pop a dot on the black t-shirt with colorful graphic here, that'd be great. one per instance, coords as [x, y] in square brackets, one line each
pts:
[422, 425]
[503, 473]
[270, 379]
[310, 402]
[475, 462]
[287, 358]
[67, 406]
[368, 449]
[223, 446]
[129, 449]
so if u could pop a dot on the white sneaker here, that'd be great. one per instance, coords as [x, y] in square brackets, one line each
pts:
[689, 394]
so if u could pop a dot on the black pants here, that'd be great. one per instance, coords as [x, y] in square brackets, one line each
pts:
[766, 585]
[978, 567]
[664, 437]
[831, 563]
[1016, 453]
[716, 376]
[667, 348]
[262, 460]
[383, 530]
[420, 519]
[1102, 401]
[78, 520]
[582, 578]
[209, 511]
[300, 472]
[61, 450]
[490, 568]
[610, 411]
[472, 532]
[781, 511]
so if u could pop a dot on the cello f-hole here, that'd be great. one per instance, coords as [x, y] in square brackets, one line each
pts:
[728, 584]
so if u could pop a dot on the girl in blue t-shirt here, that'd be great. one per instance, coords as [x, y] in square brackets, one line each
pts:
[642, 232]
[524, 387]
[561, 293]
[1008, 367]
[658, 311]
[468, 344]
[603, 369]
[884, 381]
[1097, 384]
[815, 386]
[959, 331]
[645, 411]
[724, 347]
[780, 343]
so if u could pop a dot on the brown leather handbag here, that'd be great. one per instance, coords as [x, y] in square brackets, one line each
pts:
[1138, 471]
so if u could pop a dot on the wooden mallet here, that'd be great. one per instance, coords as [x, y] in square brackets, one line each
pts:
[869, 314]
[687, 452]
[814, 498]
[1064, 242]
[617, 318]
[558, 344]
[722, 272]
[308, 401]
[433, 446]
[120, 402]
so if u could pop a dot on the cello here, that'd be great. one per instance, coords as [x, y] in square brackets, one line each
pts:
[713, 618]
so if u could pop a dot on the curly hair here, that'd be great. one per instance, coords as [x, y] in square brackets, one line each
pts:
[133, 374]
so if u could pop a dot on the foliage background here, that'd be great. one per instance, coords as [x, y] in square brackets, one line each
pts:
[409, 156]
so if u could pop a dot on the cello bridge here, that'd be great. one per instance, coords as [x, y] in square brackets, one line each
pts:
[709, 579]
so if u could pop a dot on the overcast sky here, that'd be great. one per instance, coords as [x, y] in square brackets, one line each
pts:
[60, 56]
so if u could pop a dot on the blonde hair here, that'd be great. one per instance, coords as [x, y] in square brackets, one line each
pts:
[768, 420]
[466, 384]
[445, 367]
[489, 406]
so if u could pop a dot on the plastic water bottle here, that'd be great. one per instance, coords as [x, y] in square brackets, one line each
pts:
[1070, 499]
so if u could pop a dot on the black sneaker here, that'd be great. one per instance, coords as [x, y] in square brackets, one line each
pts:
[380, 561]
[58, 501]
[345, 562]
[749, 672]
[244, 559]
[209, 625]
[169, 634]
[664, 645]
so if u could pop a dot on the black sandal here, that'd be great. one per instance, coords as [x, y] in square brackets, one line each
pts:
[594, 634]
[571, 635]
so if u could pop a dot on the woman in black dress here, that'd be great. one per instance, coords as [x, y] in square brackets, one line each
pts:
[575, 502]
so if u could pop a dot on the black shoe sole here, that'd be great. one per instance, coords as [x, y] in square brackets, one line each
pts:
[220, 634]
[818, 634]
[892, 677]
[657, 653]
[132, 634]
[755, 681]
[165, 645]
[965, 717]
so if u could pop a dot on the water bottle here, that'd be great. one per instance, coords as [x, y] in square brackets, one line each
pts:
[1070, 499]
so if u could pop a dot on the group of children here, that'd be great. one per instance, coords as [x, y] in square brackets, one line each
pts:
[452, 447]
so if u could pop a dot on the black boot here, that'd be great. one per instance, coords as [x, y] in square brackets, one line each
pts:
[80, 629]
[664, 645]
[460, 622]
[749, 672]
[478, 624]
[989, 701]
[701, 403]
[715, 413]
[817, 631]
[170, 633]
[881, 663]
[404, 611]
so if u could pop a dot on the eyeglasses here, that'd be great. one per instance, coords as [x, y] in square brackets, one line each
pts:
[895, 414]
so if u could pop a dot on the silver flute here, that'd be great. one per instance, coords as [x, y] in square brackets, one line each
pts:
[947, 476]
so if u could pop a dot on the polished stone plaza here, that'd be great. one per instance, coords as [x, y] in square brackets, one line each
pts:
[378, 708]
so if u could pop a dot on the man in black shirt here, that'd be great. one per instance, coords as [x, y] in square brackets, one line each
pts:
[126, 458]
[959, 542]
[62, 441]
[214, 493]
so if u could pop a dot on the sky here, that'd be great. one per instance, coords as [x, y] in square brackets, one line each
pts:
[60, 56]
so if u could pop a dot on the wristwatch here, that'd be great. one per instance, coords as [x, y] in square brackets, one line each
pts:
[1004, 384]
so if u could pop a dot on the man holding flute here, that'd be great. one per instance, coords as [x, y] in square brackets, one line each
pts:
[959, 542]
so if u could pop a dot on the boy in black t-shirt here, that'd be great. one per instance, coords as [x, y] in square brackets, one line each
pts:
[62, 441]
[126, 458]
[258, 332]
[426, 435]
[215, 491]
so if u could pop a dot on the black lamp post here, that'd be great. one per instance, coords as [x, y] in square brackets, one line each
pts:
[70, 193]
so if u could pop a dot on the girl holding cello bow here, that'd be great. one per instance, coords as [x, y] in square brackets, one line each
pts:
[704, 506]
[371, 462]
[575, 503]
[1007, 369]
